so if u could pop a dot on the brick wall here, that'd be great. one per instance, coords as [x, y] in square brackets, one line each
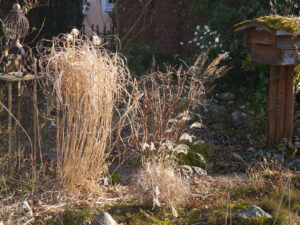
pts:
[164, 18]
[166, 24]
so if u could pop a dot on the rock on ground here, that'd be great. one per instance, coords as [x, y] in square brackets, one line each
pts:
[104, 219]
[252, 211]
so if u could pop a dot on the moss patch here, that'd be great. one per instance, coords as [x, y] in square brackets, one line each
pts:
[139, 214]
[289, 24]
[83, 216]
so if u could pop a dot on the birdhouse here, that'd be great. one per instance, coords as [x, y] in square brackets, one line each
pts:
[275, 40]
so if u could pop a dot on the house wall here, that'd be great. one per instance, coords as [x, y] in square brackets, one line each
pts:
[159, 24]
[166, 24]
[96, 18]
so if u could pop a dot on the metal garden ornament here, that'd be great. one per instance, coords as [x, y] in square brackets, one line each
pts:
[15, 25]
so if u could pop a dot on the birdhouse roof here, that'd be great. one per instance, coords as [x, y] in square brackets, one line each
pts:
[276, 25]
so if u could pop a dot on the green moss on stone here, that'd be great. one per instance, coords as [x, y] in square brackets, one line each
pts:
[83, 216]
[289, 24]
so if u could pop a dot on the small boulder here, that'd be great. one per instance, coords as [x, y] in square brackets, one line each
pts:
[252, 211]
[237, 116]
[251, 149]
[278, 157]
[242, 107]
[226, 96]
[295, 164]
[104, 219]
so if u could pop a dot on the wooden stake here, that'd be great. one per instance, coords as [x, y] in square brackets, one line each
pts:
[18, 116]
[9, 118]
[281, 100]
[274, 73]
[34, 150]
[289, 107]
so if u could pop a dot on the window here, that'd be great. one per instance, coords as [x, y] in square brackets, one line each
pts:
[107, 6]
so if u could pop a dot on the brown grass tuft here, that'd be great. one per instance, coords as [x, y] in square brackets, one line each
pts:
[87, 82]
[160, 185]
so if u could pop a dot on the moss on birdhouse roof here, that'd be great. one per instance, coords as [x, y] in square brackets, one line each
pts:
[289, 24]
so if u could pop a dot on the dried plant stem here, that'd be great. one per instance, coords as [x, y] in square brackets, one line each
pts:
[88, 82]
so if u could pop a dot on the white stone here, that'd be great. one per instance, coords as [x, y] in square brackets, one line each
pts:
[252, 211]
[104, 219]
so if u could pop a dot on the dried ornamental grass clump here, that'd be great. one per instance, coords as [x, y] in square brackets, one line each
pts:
[87, 82]
[168, 101]
[161, 186]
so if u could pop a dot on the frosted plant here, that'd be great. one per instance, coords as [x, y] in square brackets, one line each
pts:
[160, 185]
[196, 125]
[186, 137]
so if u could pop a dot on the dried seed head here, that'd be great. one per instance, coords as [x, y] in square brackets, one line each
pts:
[96, 40]
[69, 37]
[16, 7]
[75, 32]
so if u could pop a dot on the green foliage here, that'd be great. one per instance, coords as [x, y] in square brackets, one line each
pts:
[138, 214]
[141, 57]
[83, 216]
[257, 193]
[207, 40]
[221, 16]
[271, 203]
[192, 157]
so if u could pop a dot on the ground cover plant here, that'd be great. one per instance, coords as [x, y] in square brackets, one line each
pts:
[160, 148]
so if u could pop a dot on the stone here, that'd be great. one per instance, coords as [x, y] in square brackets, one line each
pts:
[226, 96]
[252, 211]
[24, 209]
[199, 171]
[104, 219]
[237, 116]
[295, 164]
[278, 157]
[244, 114]
[251, 149]
[242, 107]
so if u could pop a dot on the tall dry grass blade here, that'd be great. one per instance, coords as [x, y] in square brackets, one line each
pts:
[88, 81]
[281, 199]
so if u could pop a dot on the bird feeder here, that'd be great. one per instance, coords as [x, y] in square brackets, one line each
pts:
[275, 40]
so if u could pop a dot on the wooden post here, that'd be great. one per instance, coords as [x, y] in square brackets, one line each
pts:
[274, 71]
[279, 49]
[35, 109]
[281, 99]
[9, 118]
[18, 116]
[289, 107]
[281, 104]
